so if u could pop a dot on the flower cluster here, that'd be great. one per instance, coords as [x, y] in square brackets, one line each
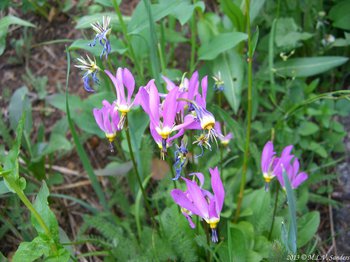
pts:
[274, 166]
[198, 201]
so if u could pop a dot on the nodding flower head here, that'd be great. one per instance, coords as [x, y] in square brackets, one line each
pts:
[291, 167]
[271, 165]
[200, 202]
[224, 139]
[107, 119]
[91, 69]
[102, 33]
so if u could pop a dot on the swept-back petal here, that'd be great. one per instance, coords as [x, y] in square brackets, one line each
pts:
[266, 156]
[200, 177]
[218, 188]
[154, 103]
[197, 197]
[116, 85]
[182, 200]
[129, 82]
[189, 219]
[169, 108]
[98, 117]
[300, 178]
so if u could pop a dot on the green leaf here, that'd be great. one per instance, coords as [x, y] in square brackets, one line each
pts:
[308, 66]
[41, 205]
[307, 227]
[11, 161]
[115, 169]
[4, 25]
[30, 251]
[57, 142]
[291, 242]
[185, 9]
[288, 35]
[220, 44]
[231, 67]
[234, 13]
[80, 149]
[318, 149]
[308, 128]
[340, 15]
[139, 19]
[18, 104]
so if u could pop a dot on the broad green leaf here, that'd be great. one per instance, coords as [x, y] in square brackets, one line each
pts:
[57, 142]
[308, 128]
[220, 44]
[115, 169]
[288, 34]
[30, 251]
[255, 7]
[340, 15]
[139, 19]
[231, 67]
[318, 149]
[41, 205]
[234, 13]
[5, 23]
[184, 10]
[18, 104]
[307, 227]
[3, 188]
[308, 66]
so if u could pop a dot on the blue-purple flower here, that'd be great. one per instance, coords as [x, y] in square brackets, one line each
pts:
[91, 69]
[200, 202]
[102, 33]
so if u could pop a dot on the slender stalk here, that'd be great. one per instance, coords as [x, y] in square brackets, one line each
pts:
[127, 38]
[274, 210]
[193, 41]
[31, 208]
[136, 170]
[249, 113]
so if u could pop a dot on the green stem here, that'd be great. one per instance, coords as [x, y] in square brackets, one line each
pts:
[193, 41]
[127, 38]
[126, 126]
[274, 210]
[31, 208]
[249, 114]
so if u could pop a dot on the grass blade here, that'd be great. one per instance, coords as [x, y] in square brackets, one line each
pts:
[80, 149]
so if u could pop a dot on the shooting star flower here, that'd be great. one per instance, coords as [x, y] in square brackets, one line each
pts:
[200, 202]
[91, 69]
[102, 33]
[107, 119]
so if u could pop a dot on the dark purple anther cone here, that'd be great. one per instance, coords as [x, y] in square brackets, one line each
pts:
[214, 235]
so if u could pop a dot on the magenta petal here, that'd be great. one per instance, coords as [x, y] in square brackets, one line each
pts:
[197, 197]
[193, 86]
[299, 179]
[189, 219]
[218, 188]
[129, 82]
[120, 81]
[200, 177]
[177, 135]
[98, 117]
[116, 85]
[266, 156]
[169, 108]
[213, 209]
[154, 103]
[169, 84]
[204, 85]
[181, 199]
